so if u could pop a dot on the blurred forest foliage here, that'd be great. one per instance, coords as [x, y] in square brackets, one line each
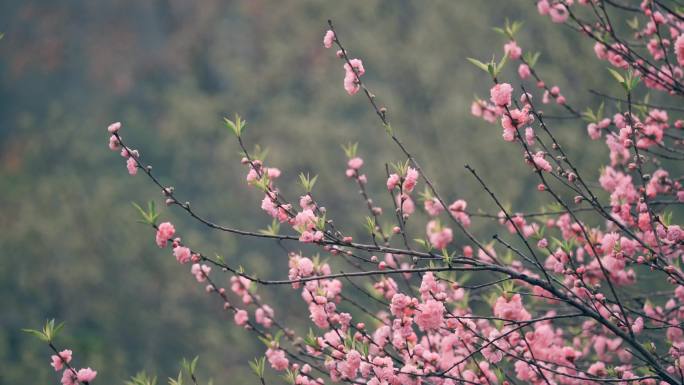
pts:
[170, 70]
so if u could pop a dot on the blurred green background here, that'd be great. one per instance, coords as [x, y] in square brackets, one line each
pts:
[170, 70]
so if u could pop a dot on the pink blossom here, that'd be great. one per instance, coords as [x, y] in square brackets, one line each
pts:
[438, 236]
[200, 272]
[430, 315]
[311, 236]
[264, 316]
[69, 378]
[674, 233]
[241, 317]
[410, 180]
[165, 232]
[679, 49]
[182, 254]
[433, 206]
[305, 220]
[501, 94]
[540, 162]
[511, 309]
[597, 369]
[318, 315]
[600, 51]
[529, 136]
[512, 50]
[458, 206]
[351, 365]
[356, 64]
[277, 359]
[59, 360]
[559, 13]
[406, 204]
[616, 58]
[305, 202]
[300, 267]
[351, 85]
[524, 71]
[393, 181]
[352, 73]
[355, 163]
[516, 118]
[457, 210]
[543, 7]
[272, 172]
[114, 143]
[657, 184]
[132, 166]
[594, 131]
[114, 127]
[400, 305]
[86, 375]
[476, 108]
[638, 325]
[328, 39]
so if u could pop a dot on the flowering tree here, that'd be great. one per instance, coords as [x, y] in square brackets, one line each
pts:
[567, 289]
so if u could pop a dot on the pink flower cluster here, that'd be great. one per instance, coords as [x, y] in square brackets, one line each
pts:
[353, 68]
[71, 376]
[352, 75]
[115, 145]
[558, 300]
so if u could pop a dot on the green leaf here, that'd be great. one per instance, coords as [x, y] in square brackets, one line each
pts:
[370, 225]
[350, 149]
[599, 113]
[290, 376]
[501, 31]
[421, 242]
[531, 58]
[150, 215]
[190, 366]
[237, 126]
[141, 378]
[446, 257]
[307, 182]
[484, 67]
[633, 23]
[57, 329]
[618, 77]
[178, 380]
[272, 229]
[501, 65]
[311, 339]
[193, 365]
[36, 333]
[515, 28]
[589, 115]
[258, 366]
[49, 332]
[633, 79]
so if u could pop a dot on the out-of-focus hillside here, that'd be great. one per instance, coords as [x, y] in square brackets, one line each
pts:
[170, 70]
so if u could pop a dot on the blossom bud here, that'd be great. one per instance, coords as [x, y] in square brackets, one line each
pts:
[114, 127]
